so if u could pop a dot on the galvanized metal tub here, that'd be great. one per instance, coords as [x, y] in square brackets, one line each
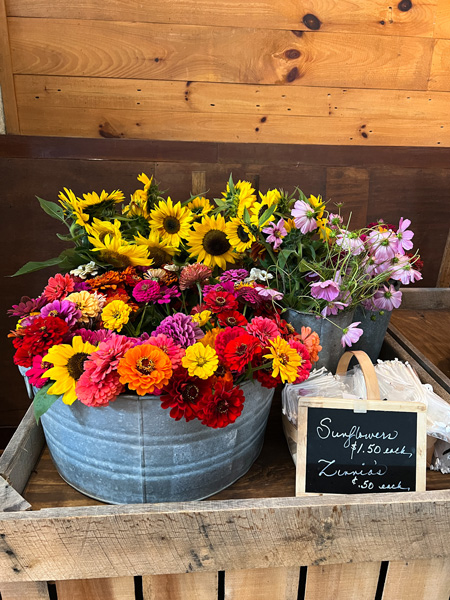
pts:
[132, 451]
[330, 335]
[374, 323]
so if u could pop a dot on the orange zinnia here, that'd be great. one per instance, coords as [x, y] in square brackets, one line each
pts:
[145, 368]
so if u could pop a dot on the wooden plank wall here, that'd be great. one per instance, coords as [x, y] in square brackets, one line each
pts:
[334, 72]
[372, 183]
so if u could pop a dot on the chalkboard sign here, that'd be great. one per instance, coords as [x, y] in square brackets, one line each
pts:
[340, 451]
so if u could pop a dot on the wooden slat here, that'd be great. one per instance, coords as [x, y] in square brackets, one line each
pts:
[114, 588]
[443, 280]
[342, 582]
[22, 452]
[194, 53]
[231, 127]
[31, 590]
[109, 541]
[184, 586]
[262, 584]
[6, 76]
[418, 580]
[440, 66]
[427, 299]
[442, 24]
[333, 15]
[349, 187]
[160, 96]
[10, 500]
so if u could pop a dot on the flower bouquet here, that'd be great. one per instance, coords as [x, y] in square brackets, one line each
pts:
[133, 337]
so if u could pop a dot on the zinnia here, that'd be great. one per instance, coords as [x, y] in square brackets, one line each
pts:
[200, 360]
[240, 351]
[182, 395]
[145, 369]
[115, 315]
[286, 360]
[221, 406]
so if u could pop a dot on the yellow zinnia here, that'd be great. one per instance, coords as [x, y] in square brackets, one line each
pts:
[239, 235]
[171, 221]
[87, 303]
[286, 360]
[208, 243]
[158, 250]
[200, 360]
[67, 361]
[115, 315]
[202, 318]
[117, 252]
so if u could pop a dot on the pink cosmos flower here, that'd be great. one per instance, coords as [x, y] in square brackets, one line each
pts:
[351, 334]
[269, 293]
[325, 290]
[332, 308]
[351, 242]
[406, 274]
[335, 221]
[264, 329]
[59, 287]
[387, 298]
[174, 351]
[404, 236]
[383, 244]
[303, 215]
[276, 233]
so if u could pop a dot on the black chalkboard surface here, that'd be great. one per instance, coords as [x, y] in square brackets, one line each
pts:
[340, 451]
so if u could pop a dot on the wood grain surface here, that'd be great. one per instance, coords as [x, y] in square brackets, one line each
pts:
[418, 580]
[184, 586]
[112, 588]
[31, 590]
[6, 76]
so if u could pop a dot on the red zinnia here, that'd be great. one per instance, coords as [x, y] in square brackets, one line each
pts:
[231, 318]
[59, 287]
[221, 406]
[224, 337]
[240, 351]
[182, 394]
[218, 301]
[39, 336]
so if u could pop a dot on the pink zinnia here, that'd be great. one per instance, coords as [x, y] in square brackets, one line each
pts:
[174, 351]
[193, 274]
[146, 291]
[404, 236]
[303, 215]
[325, 290]
[305, 367]
[104, 361]
[98, 393]
[351, 334]
[36, 371]
[276, 233]
[387, 298]
[59, 287]
[264, 329]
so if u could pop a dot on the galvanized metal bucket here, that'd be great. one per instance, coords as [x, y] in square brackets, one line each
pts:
[132, 451]
[330, 335]
[374, 324]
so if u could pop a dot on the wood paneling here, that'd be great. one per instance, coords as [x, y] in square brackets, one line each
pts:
[340, 582]
[440, 66]
[348, 188]
[418, 580]
[442, 24]
[195, 53]
[6, 76]
[184, 586]
[345, 16]
[114, 588]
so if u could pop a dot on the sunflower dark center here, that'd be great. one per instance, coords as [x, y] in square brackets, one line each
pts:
[145, 365]
[171, 225]
[191, 392]
[242, 234]
[159, 256]
[215, 242]
[75, 364]
[115, 258]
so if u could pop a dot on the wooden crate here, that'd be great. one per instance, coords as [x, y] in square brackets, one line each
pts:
[253, 540]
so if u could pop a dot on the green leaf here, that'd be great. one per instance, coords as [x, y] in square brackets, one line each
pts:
[42, 401]
[231, 184]
[267, 214]
[246, 216]
[283, 256]
[29, 267]
[52, 209]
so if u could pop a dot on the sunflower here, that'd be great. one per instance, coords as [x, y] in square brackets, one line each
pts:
[171, 221]
[93, 198]
[209, 244]
[239, 235]
[237, 197]
[100, 228]
[158, 249]
[259, 208]
[318, 204]
[324, 231]
[286, 360]
[200, 207]
[72, 204]
[117, 252]
[67, 361]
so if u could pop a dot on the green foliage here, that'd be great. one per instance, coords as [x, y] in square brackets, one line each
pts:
[42, 401]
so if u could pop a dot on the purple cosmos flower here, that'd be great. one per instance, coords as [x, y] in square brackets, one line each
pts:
[404, 236]
[303, 215]
[276, 233]
[387, 298]
[332, 308]
[383, 244]
[351, 334]
[146, 290]
[64, 309]
[268, 293]
[351, 242]
[325, 290]
[181, 328]
[234, 275]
